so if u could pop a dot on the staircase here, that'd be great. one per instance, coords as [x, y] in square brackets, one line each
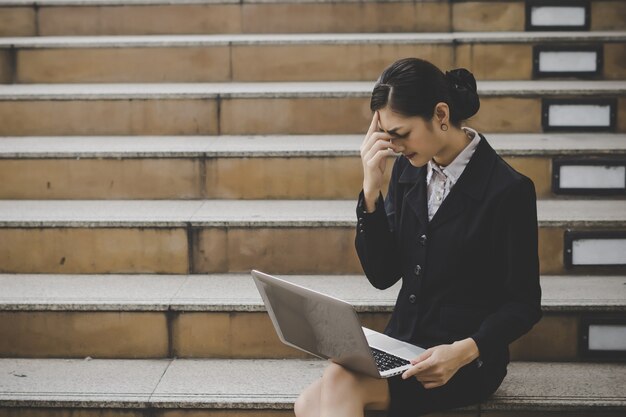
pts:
[152, 152]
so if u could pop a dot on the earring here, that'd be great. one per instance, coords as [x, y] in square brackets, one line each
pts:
[444, 127]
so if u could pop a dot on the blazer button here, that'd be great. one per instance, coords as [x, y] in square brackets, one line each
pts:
[423, 240]
[418, 270]
[412, 298]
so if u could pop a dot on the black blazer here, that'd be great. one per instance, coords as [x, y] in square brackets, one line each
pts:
[472, 271]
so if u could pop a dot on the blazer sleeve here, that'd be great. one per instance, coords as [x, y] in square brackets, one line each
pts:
[375, 239]
[521, 306]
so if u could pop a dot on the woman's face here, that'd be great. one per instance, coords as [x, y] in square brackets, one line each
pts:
[416, 135]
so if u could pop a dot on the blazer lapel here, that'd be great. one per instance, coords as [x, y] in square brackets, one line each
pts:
[416, 197]
[469, 187]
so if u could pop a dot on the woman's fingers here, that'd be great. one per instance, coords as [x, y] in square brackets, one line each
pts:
[366, 144]
[378, 159]
[372, 139]
[380, 145]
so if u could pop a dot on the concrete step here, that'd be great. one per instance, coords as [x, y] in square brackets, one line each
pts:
[269, 388]
[157, 316]
[283, 108]
[132, 17]
[297, 57]
[207, 236]
[285, 167]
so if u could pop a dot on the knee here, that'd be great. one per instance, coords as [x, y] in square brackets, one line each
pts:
[301, 405]
[307, 401]
[337, 379]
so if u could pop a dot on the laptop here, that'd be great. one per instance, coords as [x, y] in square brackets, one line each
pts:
[329, 328]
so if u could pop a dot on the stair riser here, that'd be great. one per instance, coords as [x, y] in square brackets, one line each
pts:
[359, 62]
[212, 178]
[279, 18]
[205, 116]
[281, 250]
[215, 335]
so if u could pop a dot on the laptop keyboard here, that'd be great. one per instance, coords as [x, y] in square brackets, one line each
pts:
[386, 361]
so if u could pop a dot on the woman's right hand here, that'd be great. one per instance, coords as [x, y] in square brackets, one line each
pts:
[375, 150]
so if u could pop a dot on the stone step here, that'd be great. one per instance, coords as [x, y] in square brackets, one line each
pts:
[209, 236]
[186, 387]
[157, 316]
[284, 108]
[300, 57]
[133, 17]
[285, 167]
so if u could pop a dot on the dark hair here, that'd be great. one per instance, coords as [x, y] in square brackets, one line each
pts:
[413, 87]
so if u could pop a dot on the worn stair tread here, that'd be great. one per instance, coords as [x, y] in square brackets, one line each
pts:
[237, 292]
[258, 213]
[111, 91]
[522, 144]
[121, 41]
[272, 384]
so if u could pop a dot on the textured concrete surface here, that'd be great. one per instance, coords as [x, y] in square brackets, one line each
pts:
[539, 144]
[237, 292]
[215, 383]
[119, 383]
[257, 213]
[306, 38]
[554, 386]
[326, 89]
[248, 383]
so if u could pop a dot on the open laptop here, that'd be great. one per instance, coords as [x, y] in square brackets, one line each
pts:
[329, 328]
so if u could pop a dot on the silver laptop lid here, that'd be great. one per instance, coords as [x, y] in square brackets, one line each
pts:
[316, 323]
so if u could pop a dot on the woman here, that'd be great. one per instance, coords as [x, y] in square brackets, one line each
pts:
[458, 226]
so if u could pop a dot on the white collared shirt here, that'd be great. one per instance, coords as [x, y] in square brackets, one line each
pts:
[441, 180]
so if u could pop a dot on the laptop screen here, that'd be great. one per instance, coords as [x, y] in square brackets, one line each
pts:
[314, 322]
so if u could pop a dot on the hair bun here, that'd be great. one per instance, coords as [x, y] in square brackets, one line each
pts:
[464, 92]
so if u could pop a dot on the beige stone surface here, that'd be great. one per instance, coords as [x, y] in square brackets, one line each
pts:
[508, 115]
[615, 60]
[102, 117]
[621, 114]
[608, 15]
[345, 17]
[101, 178]
[319, 62]
[477, 16]
[538, 169]
[280, 250]
[302, 178]
[153, 64]
[6, 65]
[94, 250]
[210, 251]
[228, 335]
[319, 250]
[81, 334]
[140, 19]
[551, 250]
[294, 115]
[17, 21]
[496, 61]
[554, 338]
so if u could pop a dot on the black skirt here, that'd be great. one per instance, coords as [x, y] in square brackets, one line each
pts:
[468, 386]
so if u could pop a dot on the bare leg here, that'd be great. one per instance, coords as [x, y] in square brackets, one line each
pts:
[308, 403]
[345, 394]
